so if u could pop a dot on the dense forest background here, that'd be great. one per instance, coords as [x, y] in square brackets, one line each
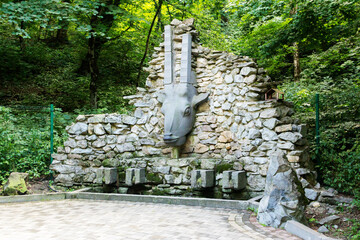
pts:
[84, 55]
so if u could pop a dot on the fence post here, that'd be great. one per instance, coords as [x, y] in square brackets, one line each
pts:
[51, 132]
[317, 126]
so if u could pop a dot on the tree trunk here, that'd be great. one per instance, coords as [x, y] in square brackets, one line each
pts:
[147, 42]
[89, 64]
[171, 18]
[297, 69]
[21, 39]
[61, 34]
[93, 54]
[296, 55]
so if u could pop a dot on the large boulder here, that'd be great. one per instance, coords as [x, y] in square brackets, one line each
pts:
[284, 198]
[16, 184]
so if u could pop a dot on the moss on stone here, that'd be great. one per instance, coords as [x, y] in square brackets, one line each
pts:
[15, 184]
[158, 192]
[107, 163]
[223, 167]
[154, 178]
[121, 169]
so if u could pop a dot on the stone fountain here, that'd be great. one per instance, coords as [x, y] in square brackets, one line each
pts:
[202, 127]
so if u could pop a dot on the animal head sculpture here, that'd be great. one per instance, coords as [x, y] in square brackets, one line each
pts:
[179, 100]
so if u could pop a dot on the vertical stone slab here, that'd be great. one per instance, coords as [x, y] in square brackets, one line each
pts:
[168, 65]
[195, 175]
[129, 175]
[207, 178]
[139, 175]
[110, 175]
[238, 179]
[185, 71]
[99, 176]
[227, 182]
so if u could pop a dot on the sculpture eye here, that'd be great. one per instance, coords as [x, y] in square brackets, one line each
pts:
[187, 111]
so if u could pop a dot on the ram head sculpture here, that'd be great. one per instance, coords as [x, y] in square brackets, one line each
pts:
[179, 100]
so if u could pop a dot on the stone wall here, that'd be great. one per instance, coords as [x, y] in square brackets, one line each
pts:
[235, 128]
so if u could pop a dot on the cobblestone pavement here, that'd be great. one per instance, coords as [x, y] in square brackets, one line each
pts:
[85, 219]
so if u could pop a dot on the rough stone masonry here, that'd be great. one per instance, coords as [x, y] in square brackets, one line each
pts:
[236, 129]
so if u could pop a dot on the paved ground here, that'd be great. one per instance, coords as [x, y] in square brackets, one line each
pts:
[84, 219]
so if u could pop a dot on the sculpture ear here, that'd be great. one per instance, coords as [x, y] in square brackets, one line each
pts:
[161, 96]
[200, 98]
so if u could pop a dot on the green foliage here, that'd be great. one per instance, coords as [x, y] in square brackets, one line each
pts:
[25, 140]
[267, 29]
[154, 178]
[334, 74]
[355, 230]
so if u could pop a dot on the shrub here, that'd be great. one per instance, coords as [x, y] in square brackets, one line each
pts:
[25, 140]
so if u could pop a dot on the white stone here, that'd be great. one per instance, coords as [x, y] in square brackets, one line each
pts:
[286, 146]
[250, 79]
[154, 121]
[70, 143]
[231, 98]
[267, 146]
[99, 143]
[78, 128]
[99, 129]
[82, 151]
[107, 128]
[254, 133]
[229, 78]
[269, 135]
[261, 160]
[283, 128]
[246, 71]
[81, 144]
[270, 123]
[99, 118]
[239, 78]
[129, 120]
[226, 106]
[113, 118]
[126, 147]
[270, 113]
[289, 136]
[311, 194]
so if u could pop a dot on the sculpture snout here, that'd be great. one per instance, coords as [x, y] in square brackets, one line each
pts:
[170, 138]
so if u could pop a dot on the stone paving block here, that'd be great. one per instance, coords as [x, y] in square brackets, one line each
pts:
[110, 175]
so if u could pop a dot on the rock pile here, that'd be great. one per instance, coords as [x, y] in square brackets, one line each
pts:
[284, 198]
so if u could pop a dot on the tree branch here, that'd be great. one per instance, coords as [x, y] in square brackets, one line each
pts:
[147, 42]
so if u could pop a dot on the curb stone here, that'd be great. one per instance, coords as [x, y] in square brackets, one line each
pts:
[304, 232]
[33, 198]
[201, 202]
